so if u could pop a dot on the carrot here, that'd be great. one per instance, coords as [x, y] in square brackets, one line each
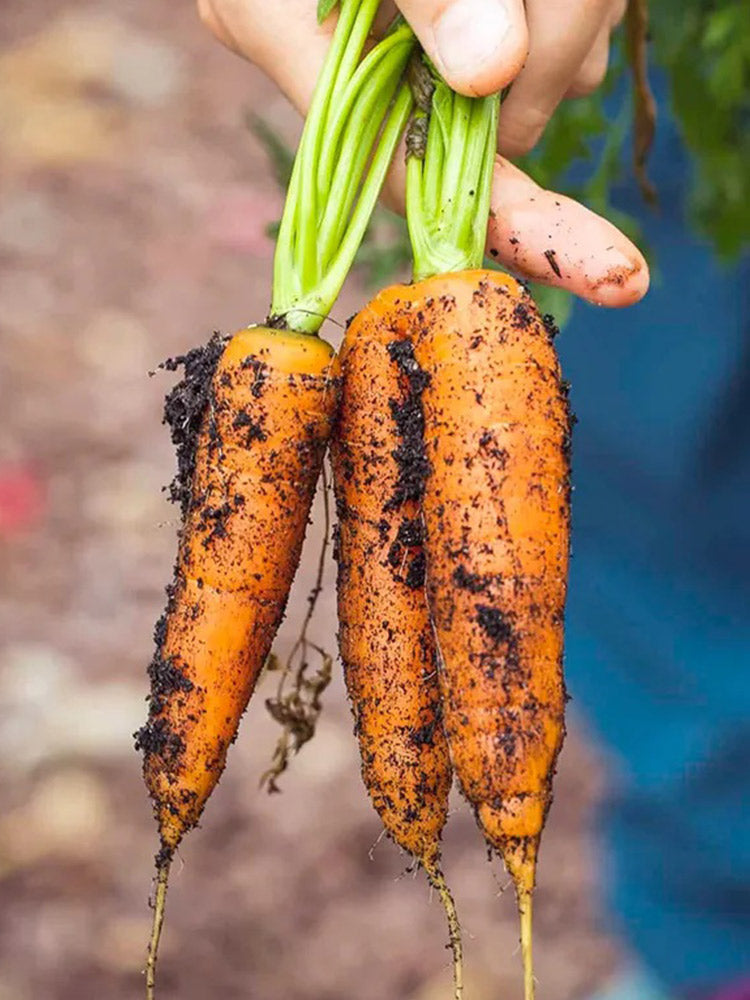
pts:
[247, 483]
[496, 512]
[257, 458]
[497, 499]
[251, 421]
[386, 643]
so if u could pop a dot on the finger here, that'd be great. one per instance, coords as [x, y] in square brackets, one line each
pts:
[547, 237]
[478, 46]
[594, 259]
[593, 69]
[562, 33]
[237, 25]
[619, 7]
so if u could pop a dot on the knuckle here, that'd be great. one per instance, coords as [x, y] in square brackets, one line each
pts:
[516, 138]
[593, 77]
[583, 86]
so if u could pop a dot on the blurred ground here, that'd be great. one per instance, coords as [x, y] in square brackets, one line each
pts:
[132, 223]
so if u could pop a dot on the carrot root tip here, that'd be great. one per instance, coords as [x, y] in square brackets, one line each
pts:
[437, 881]
[525, 912]
[160, 899]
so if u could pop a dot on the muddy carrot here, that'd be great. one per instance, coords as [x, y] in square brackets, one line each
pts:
[496, 511]
[252, 476]
[496, 501]
[247, 481]
[385, 634]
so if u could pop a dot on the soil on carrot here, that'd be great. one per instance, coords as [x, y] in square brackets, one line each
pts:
[407, 413]
[184, 408]
[550, 325]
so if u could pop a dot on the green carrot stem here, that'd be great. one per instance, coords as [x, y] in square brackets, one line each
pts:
[306, 313]
[360, 133]
[364, 74]
[448, 187]
[433, 166]
[346, 147]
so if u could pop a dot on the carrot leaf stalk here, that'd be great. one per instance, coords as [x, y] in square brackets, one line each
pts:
[451, 145]
[358, 112]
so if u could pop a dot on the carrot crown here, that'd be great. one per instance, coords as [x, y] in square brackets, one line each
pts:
[451, 145]
[358, 111]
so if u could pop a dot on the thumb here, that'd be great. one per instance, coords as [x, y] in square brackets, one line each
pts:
[478, 46]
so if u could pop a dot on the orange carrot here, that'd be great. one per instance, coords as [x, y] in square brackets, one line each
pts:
[496, 510]
[390, 663]
[251, 437]
[496, 504]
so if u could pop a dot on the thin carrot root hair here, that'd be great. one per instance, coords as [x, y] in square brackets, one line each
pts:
[437, 881]
[298, 709]
[160, 900]
[525, 910]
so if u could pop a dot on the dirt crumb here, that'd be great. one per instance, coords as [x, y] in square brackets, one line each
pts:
[184, 407]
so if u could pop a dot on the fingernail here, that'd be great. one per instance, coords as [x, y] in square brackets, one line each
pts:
[469, 33]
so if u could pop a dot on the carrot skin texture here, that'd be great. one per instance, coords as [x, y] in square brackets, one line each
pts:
[496, 509]
[386, 640]
[258, 456]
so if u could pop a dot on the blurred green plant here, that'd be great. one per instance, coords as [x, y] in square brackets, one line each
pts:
[703, 49]
[704, 46]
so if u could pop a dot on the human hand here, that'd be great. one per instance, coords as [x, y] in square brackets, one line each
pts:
[549, 48]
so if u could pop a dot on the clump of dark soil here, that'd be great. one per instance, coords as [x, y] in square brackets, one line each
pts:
[157, 737]
[475, 583]
[411, 456]
[550, 326]
[184, 407]
[494, 623]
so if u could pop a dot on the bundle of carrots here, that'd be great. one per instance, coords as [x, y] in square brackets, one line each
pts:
[449, 429]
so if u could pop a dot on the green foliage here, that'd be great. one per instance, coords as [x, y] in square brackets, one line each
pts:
[705, 48]
[385, 250]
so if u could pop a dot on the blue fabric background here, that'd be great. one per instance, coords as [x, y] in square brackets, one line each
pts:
[658, 648]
